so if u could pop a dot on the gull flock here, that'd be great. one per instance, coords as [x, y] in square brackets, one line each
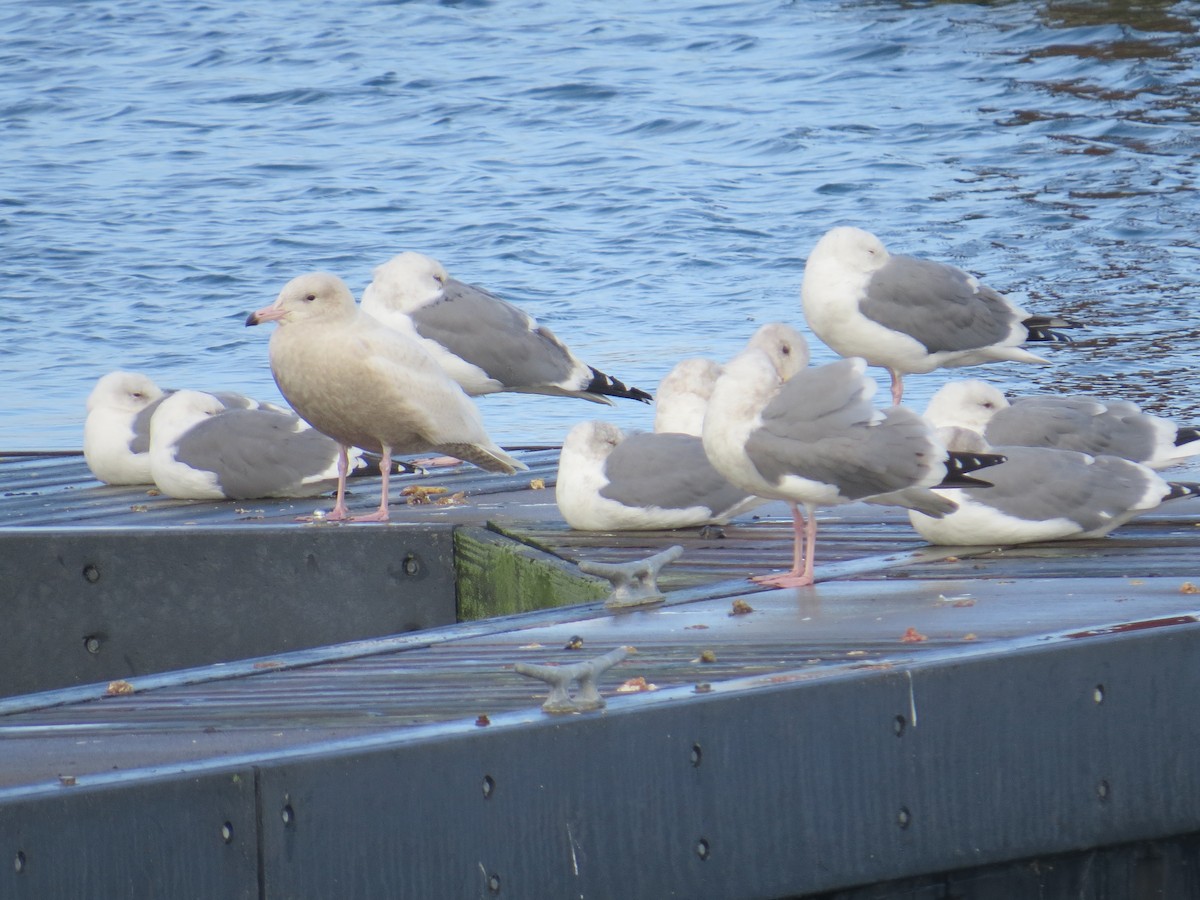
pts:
[395, 375]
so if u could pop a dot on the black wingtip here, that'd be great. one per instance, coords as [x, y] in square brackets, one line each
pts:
[1186, 434]
[1045, 329]
[607, 386]
[1181, 489]
[960, 462]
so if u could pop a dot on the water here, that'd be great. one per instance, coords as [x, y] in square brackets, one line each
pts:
[646, 179]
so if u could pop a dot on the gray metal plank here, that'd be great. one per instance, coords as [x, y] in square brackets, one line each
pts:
[90, 605]
[177, 837]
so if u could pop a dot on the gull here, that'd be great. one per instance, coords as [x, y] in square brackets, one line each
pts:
[483, 342]
[811, 437]
[911, 315]
[368, 386]
[1084, 424]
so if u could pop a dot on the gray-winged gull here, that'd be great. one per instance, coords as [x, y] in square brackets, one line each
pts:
[1084, 424]
[682, 396]
[1042, 494]
[368, 386]
[116, 433]
[202, 450]
[608, 481]
[483, 342]
[811, 437]
[911, 315]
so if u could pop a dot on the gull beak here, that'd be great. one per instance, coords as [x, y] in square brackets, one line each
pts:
[272, 313]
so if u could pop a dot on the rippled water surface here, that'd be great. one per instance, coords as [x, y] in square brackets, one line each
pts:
[646, 178]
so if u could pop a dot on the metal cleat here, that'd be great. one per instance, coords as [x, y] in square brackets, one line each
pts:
[634, 583]
[560, 678]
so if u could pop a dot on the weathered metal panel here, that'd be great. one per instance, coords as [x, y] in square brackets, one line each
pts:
[179, 837]
[786, 789]
[91, 605]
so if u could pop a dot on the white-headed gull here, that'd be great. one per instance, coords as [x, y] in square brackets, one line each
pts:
[811, 437]
[608, 481]
[483, 342]
[202, 450]
[911, 315]
[116, 433]
[1042, 494]
[1084, 424]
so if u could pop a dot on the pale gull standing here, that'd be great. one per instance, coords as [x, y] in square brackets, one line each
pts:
[1084, 424]
[1042, 494]
[368, 386]
[608, 481]
[682, 396]
[116, 433]
[911, 315]
[811, 437]
[202, 450]
[483, 342]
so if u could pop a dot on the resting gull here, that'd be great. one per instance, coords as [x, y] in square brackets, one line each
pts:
[1042, 494]
[202, 450]
[368, 386]
[116, 433]
[811, 437]
[483, 342]
[911, 315]
[1084, 424]
[682, 396]
[608, 481]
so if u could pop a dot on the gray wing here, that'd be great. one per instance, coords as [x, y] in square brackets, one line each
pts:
[140, 442]
[494, 335]
[822, 426]
[937, 305]
[255, 453]
[1037, 484]
[668, 471]
[1066, 423]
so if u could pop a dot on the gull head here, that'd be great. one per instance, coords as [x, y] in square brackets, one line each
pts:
[126, 391]
[317, 296]
[406, 282]
[969, 403]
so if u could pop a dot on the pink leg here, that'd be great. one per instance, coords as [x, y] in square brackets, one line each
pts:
[385, 470]
[804, 536]
[897, 387]
[339, 511]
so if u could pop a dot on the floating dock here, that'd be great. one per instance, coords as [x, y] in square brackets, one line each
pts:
[216, 700]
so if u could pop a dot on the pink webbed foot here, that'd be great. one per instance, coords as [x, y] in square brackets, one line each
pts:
[380, 515]
[434, 462]
[784, 579]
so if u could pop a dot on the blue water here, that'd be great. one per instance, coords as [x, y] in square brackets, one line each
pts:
[646, 178]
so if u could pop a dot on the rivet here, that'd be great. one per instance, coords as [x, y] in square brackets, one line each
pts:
[702, 849]
[494, 883]
[1102, 791]
[696, 755]
[19, 861]
[91, 573]
[91, 643]
[411, 565]
[227, 832]
[288, 814]
[899, 725]
[904, 817]
[703, 687]
[1098, 693]
[489, 785]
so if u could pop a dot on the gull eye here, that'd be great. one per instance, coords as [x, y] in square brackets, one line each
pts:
[309, 298]
[786, 350]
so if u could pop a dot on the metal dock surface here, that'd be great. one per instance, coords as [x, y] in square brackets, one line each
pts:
[925, 722]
